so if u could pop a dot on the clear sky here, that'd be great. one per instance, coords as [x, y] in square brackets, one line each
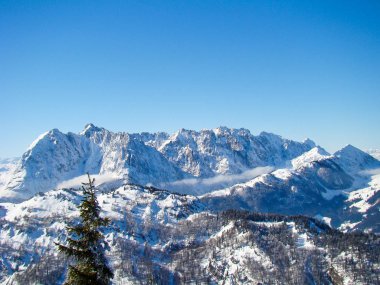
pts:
[296, 68]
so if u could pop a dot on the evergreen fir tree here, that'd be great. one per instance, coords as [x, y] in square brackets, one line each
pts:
[86, 245]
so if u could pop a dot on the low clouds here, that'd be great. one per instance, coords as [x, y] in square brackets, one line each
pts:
[375, 171]
[200, 186]
[193, 186]
[99, 180]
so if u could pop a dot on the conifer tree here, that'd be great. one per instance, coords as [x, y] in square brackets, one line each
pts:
[85, 243]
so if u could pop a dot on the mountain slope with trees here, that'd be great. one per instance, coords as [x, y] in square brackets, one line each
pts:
[175, 239]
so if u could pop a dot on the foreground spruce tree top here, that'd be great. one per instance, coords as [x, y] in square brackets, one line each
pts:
[85, 243]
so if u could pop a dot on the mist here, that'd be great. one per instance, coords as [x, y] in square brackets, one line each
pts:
[200, 186]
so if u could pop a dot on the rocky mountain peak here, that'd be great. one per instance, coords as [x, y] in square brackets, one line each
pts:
[89, 129]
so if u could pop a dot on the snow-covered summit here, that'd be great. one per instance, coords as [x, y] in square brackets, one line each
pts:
[315, 154]
[354, 159]
[37, 140]
[89, 129]
[52, 158]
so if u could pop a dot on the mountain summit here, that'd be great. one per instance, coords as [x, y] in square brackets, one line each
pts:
[145, 158]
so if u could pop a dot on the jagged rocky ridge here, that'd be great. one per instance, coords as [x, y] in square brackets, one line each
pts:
[145, 158]
[214, 170]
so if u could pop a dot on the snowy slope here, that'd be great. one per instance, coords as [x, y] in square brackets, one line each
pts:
[317, 184]
[364, 205]
[52, 158]
[33, 225]
[315, 154]
[177, 239]
[7, 166]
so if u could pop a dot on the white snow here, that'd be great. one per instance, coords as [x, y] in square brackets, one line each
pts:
[303, 241]
[37, 140]
[315, 154]
[360, 198]
[330, 194]
[348, 225]
[237, 255]
[283, 174]
[223, 230]
[326, 220]
[268, 224]
[7, 167]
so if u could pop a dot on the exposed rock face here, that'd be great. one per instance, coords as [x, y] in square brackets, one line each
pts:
[145, 158]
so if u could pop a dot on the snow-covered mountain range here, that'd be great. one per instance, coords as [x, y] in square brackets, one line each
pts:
[145, 158]
[206, 171]
[264, 173]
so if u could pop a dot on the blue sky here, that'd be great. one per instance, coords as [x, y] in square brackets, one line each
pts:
[296, 68]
